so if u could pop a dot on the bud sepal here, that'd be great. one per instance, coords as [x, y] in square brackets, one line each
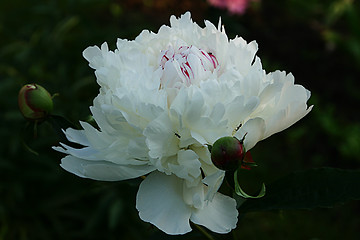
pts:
[241, 193]
[247, 163]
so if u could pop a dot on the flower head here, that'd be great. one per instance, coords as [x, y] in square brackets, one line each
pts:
[164, 97]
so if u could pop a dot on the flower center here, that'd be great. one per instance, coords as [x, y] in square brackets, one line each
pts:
[185, 66]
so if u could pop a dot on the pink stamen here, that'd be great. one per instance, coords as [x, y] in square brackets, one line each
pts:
[214, 60]
[208, 60]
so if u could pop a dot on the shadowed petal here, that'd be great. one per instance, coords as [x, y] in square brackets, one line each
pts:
[160, 202]
[219, 215]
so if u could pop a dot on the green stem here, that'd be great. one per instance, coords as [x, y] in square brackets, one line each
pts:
[235, 237]
[204, 232]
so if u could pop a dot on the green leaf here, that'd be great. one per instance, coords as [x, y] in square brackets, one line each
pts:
[314, 188]
[241, 192]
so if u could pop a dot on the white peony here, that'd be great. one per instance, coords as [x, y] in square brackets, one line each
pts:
[163, 98]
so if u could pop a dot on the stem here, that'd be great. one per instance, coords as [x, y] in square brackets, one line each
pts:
[35, 129]
[204, 232]
[235, 237]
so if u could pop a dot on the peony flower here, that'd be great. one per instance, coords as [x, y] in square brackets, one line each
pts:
[164, 97]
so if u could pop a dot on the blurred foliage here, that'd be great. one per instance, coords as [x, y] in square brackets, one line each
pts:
[42, 41]
[308, 189]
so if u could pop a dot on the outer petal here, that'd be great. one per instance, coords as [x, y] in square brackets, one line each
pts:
[160, 202]
[102, 170]
[95, 55]
[219, 215]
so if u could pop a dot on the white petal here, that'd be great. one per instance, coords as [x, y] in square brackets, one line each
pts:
[92, 54]
[88, 153]
[238, 110]
[102, 170]
[286, 117]
[95, 55]
[217, 112]
[213, 182]
[254, 130]
[160, 202]
[187, 165]
[94, 136]
[190, 161]
[76, 136]
[160, 137]
[219, 215]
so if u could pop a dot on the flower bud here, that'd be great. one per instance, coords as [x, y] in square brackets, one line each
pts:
[35, 102]
[227, 153]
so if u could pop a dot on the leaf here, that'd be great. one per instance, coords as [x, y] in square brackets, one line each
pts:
[314, 188]
[243, 194]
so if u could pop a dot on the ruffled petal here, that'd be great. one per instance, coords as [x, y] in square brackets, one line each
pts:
[160, 202]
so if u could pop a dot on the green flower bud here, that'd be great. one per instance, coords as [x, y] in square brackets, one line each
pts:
[227, 153]
[35, 102]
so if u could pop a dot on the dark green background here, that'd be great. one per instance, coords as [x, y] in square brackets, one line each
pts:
[42, 41]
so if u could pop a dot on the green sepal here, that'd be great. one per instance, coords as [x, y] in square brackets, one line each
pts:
[249, 164]
[241, 193]
[209, 147]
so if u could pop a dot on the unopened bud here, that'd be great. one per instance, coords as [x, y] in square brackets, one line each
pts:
[227, 153]
[35, 102]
